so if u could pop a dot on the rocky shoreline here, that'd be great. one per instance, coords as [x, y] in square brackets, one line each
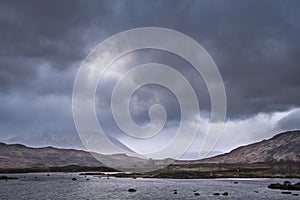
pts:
[189, 171]
[285, 186]
[67, 168]
[220, 170]
[7, 178]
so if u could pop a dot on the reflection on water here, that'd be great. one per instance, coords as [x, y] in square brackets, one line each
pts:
[61, 186]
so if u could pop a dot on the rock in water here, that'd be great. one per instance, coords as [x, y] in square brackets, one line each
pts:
[217, 194]
[297, 186]
[287, 183]
[74, 179]
[225, 194]
[285, 186]
[275, 186]
[286, 192]
[131, 190]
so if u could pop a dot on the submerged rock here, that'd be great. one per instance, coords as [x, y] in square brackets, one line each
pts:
[196, 194]
[131, 190]
[74, 179]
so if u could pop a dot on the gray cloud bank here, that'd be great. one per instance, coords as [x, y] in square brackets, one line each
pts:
[254, 44]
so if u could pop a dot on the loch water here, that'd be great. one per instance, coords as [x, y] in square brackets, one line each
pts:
[56, 186]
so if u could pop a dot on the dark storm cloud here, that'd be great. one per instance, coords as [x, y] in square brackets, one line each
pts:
[254, 44]
[36, 34]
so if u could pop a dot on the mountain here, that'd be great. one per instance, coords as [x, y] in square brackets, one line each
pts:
[278, 157]
[20, 156]
[17, 157]
[275, 157]
[282, 147]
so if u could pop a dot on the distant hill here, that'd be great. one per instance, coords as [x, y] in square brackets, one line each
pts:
[17, 156]
[20, 156]
[277, 157]
[282, 147]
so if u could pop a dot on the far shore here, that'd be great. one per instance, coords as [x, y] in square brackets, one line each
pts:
[183, 171]
[68, 168]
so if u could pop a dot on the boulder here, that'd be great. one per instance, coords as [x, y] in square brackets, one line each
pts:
[131, 190]
[225, 194]
[285, 186]
[275, 186]
[297, 186]
[287, 183]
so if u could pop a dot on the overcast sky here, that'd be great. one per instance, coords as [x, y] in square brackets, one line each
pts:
[255, 45]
